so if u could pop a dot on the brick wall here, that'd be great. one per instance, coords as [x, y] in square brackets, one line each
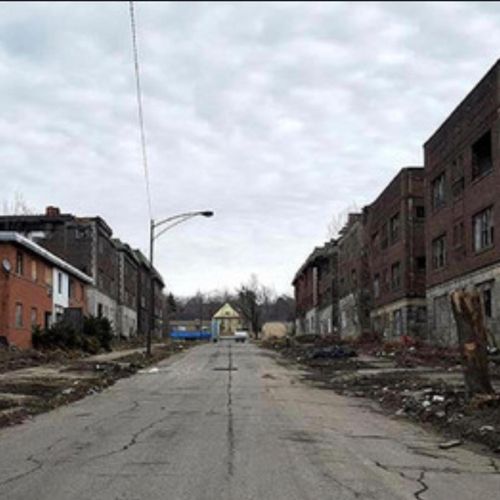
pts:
[451, 152]
[28, 289]
[395, 239]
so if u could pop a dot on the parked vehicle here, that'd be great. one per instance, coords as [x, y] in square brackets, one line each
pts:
[241, 336]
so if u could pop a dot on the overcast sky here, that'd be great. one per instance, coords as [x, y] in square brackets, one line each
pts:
[275, 116]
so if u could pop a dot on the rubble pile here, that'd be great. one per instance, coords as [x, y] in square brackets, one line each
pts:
[437, 404]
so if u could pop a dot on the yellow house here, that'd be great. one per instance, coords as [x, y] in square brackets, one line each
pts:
[226, 321]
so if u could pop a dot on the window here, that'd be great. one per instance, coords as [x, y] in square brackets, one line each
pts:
[397, 322]
[439, 252]
[48, 319]
[486, 296]
[34, 273]
[354, 278]
[71, 288]
[59, 282]
[482, 156]
[99, 310]
[19, 315]
[394, 228]
[421, 263]
[420, 211]
[48, 276]
[34, 316]
[441, 312]
[457, 177]
[483, 229]
[438, 192]
[458, 234]
[19, 263]
[384, 240]
[376, 286]
[396, 276]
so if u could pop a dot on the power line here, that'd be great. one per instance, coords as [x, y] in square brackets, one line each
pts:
[139, 107]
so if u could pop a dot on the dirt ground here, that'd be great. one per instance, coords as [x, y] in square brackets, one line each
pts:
[32, 382]
[422, 384]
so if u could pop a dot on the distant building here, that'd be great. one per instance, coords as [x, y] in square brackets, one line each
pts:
[36, 288]
[462, 197]
[316, 289]
[128, 272]
[353, 276]
[143, 293]
[226, 321]
[396, 252]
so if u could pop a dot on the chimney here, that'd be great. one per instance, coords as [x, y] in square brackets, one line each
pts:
[52, 211]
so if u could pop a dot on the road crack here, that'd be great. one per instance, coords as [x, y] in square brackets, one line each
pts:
[424, 488]
[37, 465]
[133, 440]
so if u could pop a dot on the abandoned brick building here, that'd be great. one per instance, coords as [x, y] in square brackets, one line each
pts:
[353, 278]
[315, 285]
[462, 170]
[396, 254]
[121, 290]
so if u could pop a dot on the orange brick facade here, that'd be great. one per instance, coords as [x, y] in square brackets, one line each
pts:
[26, 294]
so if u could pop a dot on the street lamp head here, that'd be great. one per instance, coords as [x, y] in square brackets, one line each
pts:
[207, 213]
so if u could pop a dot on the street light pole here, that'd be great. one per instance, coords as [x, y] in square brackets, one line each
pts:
[171, 222]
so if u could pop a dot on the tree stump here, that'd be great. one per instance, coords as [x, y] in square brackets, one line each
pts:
[472, 338]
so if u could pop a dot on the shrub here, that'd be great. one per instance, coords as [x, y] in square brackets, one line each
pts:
[99, 328]
[96, 335]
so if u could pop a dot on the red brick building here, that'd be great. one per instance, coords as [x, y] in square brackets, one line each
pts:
[315, 285]
[305, 284]
[462, 196]
[396, 255]
[27, 287]
[353, 277]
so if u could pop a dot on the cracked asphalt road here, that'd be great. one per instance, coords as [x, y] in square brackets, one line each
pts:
[228, 422]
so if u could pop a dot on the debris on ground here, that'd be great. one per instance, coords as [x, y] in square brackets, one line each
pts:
[422, 383]
[450, 444]
[39, 388]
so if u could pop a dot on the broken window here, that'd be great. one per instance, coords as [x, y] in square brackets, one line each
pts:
[394, 228]
[483, 229]
[420, 211]
[439, 252]
[486, 295]
[421, 263]
[482, 160]
[396, 276]
[438, 192]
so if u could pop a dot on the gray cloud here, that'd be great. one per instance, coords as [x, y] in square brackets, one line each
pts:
[275, 115]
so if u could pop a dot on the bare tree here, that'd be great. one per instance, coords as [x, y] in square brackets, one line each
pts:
[472, 337]
[18, 206]
[338, 221]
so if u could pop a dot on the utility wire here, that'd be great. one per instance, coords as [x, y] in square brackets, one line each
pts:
[139, 107]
